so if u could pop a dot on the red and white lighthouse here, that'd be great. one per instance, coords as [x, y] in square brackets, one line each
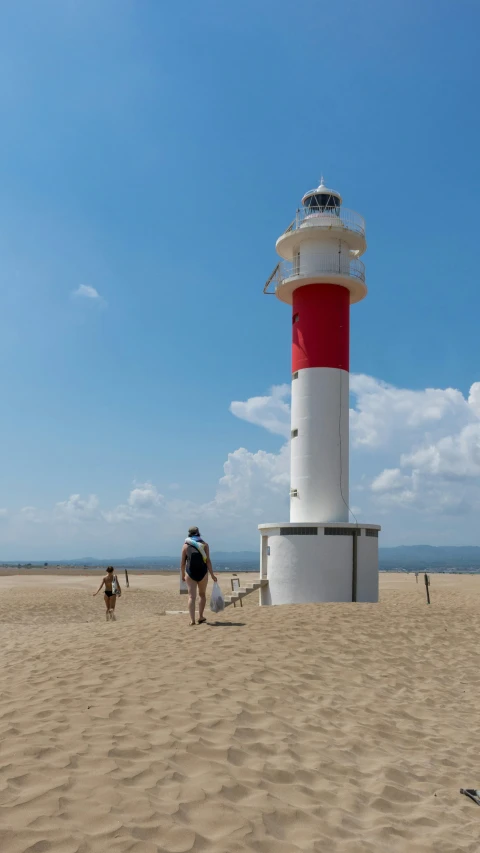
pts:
[319, 555]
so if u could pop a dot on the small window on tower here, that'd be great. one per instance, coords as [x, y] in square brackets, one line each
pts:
[295, 318]
[294, 433]
[295, 375]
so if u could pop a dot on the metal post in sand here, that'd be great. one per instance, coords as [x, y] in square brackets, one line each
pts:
[427, 587]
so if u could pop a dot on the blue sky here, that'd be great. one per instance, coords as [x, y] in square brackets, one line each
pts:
[154, 152]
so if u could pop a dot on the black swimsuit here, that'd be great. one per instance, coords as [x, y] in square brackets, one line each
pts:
[196, 568]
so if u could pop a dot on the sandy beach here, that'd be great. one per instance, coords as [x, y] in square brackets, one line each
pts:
[333, 728]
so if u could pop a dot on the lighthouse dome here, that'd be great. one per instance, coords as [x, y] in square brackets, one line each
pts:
[322, 197]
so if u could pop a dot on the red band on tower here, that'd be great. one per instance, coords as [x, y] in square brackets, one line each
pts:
[321, 326]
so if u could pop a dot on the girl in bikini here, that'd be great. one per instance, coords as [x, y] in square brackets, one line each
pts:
[112, 589]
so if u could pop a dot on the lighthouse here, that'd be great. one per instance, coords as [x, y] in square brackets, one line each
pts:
[322, 553]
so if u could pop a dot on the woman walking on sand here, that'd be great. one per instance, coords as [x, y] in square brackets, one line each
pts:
[112, 589]
[195, 567]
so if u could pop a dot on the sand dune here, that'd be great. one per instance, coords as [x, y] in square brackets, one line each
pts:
[334, 728]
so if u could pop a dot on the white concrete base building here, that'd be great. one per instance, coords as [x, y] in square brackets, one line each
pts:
[318, 562]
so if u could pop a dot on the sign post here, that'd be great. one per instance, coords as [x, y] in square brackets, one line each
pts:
[235, 583]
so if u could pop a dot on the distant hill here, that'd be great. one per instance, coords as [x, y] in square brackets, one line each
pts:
[412, 557]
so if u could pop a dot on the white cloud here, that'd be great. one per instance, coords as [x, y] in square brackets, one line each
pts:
[144, 497]
[426, 496]
[433, 436]
[384, 413]
[253, 485]
[76, 510]
[452, 457]
[271, 412]
[87, 292]
[144, 500]
[390, 480]
[30, 514]
[474, 398]
[120, 514]
[394, 488]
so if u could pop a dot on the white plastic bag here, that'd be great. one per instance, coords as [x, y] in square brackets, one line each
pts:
[217, 603]
[183, 587]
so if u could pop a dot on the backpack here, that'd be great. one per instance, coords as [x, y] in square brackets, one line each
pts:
[196, 560]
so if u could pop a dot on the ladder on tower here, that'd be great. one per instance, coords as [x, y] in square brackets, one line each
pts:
[238, 594]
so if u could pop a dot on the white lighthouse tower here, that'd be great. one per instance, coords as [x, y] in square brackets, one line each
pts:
[319, 555]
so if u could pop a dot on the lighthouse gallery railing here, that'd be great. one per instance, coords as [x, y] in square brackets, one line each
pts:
[329, 264]
[349, 219]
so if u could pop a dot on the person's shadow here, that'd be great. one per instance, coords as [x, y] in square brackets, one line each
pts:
[227, 624]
